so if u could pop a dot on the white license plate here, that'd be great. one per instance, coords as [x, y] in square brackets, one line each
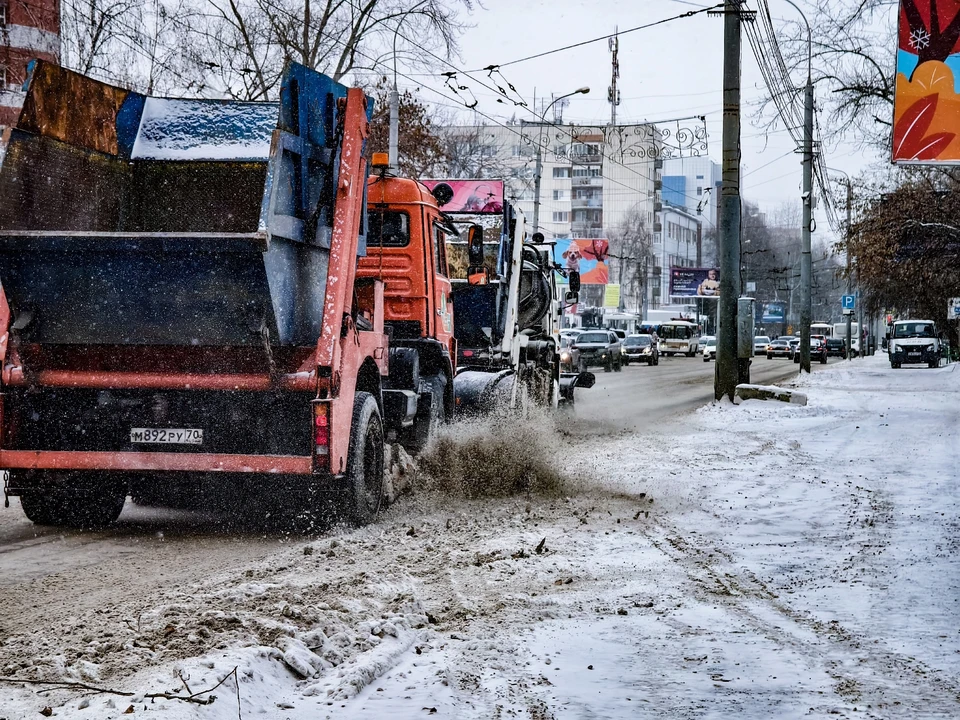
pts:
[167, 436]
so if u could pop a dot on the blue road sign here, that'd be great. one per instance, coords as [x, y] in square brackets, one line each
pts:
[849, 302]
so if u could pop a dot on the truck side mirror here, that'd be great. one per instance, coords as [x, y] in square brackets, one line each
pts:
[571, 298]
[476, 272]
[574, 278]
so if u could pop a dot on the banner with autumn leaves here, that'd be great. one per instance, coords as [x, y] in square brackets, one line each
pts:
[926, 113]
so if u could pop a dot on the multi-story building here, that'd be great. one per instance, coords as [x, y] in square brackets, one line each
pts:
[592, 178]
[693, 183]
[675, 245]
[28, 30]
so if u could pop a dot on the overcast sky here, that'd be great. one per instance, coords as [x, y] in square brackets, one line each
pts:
[668, 71]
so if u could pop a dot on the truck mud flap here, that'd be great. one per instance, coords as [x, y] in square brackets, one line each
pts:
[477, 392]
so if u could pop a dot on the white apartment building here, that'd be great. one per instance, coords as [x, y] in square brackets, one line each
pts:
[674, 246]
[692, 183]
[591, 178]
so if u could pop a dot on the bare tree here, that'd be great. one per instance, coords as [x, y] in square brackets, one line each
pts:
[99, 37]
[631, 244]
[853, 48]
[243, 45]
[420, 148]
[473, 151]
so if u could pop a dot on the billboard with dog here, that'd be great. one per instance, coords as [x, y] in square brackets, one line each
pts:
[586, 256]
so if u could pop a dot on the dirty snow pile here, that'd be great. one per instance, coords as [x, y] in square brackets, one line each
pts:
[762, 560]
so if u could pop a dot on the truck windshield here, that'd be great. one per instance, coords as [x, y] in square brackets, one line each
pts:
[388, 228]
[593, 338]
[907, 330]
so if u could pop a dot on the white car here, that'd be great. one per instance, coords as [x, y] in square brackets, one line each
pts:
[760, 343]
[709, 348]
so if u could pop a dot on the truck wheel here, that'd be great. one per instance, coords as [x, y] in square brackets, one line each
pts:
[88, 508]
[895, 365]
[365, 461]
[934, 363]
[429, 417]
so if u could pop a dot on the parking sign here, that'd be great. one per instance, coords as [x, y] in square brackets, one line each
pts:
[953, 309]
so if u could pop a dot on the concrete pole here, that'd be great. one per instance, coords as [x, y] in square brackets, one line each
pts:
[536, 185]
[806, 260]
[849, 275]
[394, 128]
[726, 372]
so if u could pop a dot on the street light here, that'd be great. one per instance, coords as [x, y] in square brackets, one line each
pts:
[806, 265]
[536, 180]
[849, 276]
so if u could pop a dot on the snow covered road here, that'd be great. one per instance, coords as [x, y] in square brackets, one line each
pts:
[759, 561]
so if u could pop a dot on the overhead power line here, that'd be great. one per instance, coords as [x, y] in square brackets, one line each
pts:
[689, 13]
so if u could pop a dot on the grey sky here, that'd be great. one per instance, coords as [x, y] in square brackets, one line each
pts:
[668, 71]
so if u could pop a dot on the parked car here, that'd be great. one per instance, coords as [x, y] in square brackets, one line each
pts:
[640, 348]
[760, 343]
[569, 355]
[709, 348]
[600, 347]
[837, 347]
[818, 350]
[780, 348]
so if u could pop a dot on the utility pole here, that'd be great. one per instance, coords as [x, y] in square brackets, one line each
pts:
[393, 149]
[727, 370]
[613, 94]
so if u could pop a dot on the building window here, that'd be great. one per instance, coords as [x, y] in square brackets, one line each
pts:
[559, 194]
[699, 177]
[561, 217]
[699, 190]
[560, 150]
[3, 23]
[561, 172]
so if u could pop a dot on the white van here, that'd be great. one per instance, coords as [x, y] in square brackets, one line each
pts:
[679, 336]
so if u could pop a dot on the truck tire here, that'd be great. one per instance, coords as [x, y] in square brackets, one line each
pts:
[90, 508]
[934, 363]
[430, 416]
[895, 365]
[364, 461]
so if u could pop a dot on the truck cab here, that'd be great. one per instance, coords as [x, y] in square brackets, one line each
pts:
[407, 235]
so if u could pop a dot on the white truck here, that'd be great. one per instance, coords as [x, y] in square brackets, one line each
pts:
[914, 342]
[840, 331]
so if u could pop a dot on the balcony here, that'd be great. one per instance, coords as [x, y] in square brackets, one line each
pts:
[586, 181]
[592, 202]
[584, 158]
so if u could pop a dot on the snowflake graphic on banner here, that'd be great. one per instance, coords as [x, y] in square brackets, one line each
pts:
[919, 39]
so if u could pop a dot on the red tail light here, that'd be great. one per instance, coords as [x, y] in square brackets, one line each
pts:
[321, 434]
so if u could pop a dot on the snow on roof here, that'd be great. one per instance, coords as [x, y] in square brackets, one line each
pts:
[204, 130]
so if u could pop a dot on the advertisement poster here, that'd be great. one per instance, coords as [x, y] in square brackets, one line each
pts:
[588, 257]
[926, 108]
[611, 296]
[774, 312]
[472, 196]
[694, 282]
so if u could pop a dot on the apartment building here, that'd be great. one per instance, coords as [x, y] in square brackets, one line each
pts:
[28, 30]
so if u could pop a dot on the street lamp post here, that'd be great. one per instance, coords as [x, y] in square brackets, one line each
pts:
[849, 316]
[539, 168]
[806, 264]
